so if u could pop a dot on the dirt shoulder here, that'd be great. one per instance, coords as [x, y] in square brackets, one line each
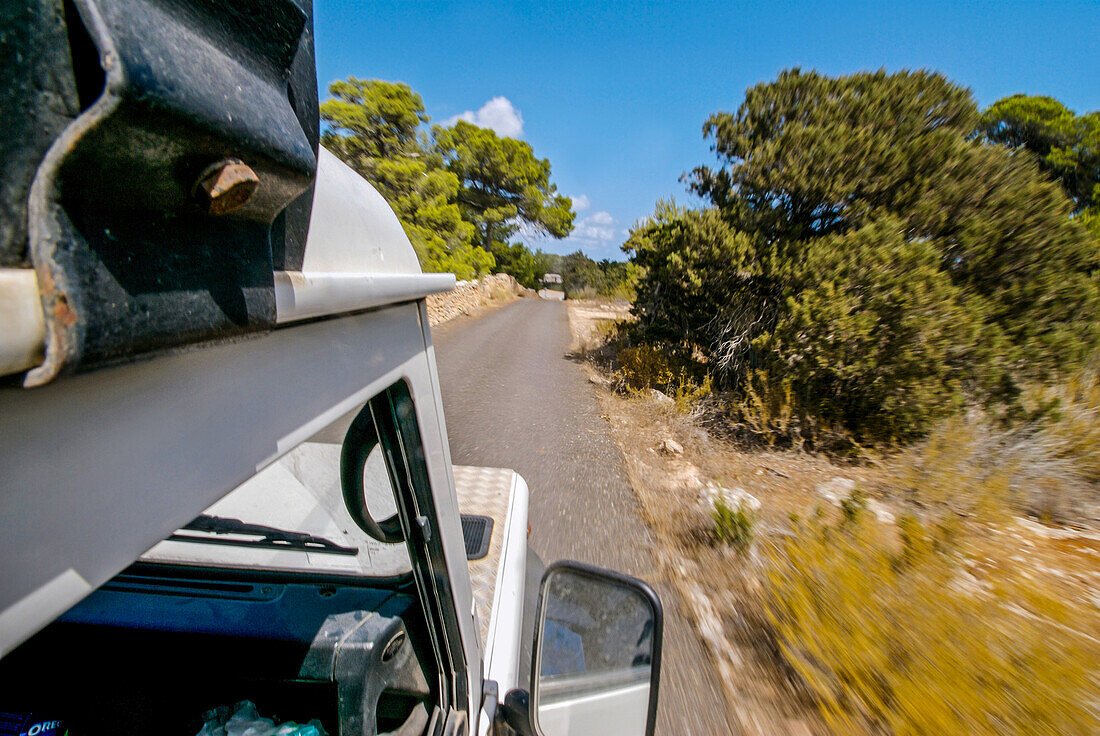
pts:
[760, 695]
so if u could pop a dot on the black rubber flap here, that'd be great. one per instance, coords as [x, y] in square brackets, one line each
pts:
[477, 532]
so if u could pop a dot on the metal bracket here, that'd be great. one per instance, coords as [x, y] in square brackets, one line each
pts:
[128, 258]
[489, 699]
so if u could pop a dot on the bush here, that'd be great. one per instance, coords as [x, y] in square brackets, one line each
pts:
[581, 293]
[853, 507]
[1069, 419]
[700, 284]
[903, 641]
[769, 412]
[649, 365]
[690, 393]
[878, 341]
[584, 278]
[644, 366]
[733, 525]
[865, 248]
[969, 465]
[516, 260]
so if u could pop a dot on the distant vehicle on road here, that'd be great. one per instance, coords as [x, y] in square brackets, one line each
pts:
[551, 287]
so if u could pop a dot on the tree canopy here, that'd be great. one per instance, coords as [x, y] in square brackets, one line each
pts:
[1066, 145]
[460, 192]
[807, 154]
[375, 127]
[372, 120]
[864, 244]
[502, 185]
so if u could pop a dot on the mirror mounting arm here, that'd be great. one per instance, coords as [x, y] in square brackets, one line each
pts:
[490, 699]
[515, 712]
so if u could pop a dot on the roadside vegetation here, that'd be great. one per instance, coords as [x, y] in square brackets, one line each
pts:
[584, 278]
[871, 258]
[463, 193]
[876, 348]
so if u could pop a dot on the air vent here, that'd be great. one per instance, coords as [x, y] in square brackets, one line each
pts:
[477, 531]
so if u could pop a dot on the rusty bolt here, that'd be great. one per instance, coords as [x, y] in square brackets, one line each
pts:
[226, 186]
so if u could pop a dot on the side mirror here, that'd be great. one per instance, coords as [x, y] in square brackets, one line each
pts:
[597, 654]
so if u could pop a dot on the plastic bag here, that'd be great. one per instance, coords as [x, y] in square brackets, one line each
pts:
[244, 720]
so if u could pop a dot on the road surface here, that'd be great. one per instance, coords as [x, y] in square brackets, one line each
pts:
[514, 398]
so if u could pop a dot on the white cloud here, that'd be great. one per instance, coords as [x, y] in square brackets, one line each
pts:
[498, 114]
[601, 218]
[596, 234]
[597, 229]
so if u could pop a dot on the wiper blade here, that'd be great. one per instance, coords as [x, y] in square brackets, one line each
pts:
[269, 536]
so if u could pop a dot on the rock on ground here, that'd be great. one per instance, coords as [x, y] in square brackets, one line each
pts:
[670, 446]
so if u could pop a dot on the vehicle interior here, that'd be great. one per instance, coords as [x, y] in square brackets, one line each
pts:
[157, 647]
[293, 619]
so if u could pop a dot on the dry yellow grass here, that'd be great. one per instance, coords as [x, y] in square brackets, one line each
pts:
[903, 639]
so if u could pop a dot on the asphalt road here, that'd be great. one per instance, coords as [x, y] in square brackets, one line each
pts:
[513, 398]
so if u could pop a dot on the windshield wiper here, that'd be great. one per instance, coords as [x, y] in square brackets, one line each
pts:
[269, 536]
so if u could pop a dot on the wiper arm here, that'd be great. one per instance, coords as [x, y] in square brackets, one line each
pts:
[269, 536]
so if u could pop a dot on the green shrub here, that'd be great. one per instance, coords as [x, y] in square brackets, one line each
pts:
[1069, 420]
[584, 278]
[649, 365]
[867, 250]
[878, 340]
[769, 412]
[853, 507]
[689, 391]
[644, 366]
[733, 525]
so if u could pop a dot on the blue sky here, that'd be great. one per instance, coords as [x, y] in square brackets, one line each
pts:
[615, 93]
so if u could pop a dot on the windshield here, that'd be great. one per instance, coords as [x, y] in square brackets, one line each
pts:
[291, 517]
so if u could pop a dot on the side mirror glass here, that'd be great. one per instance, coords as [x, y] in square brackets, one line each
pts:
[597, 654]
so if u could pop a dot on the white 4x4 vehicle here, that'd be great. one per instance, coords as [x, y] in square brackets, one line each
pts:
[226, 473]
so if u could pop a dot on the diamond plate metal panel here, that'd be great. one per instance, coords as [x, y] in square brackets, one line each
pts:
[485, 491]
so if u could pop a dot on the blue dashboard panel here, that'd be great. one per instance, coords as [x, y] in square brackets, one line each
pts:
[283, 612]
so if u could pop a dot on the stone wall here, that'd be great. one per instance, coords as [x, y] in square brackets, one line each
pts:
[467, 296]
